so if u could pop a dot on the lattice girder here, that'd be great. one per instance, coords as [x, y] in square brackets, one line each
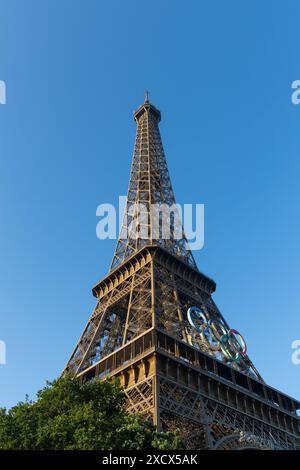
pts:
[150, 293]
[139, 330]
[149, 185]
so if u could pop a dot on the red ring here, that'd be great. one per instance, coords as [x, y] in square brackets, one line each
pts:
[236, 332]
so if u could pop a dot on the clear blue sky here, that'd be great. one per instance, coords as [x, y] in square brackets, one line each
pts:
[221, 73]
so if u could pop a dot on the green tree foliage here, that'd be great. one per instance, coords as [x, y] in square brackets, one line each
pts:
[67, 415]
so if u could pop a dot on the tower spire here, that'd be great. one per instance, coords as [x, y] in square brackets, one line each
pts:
[150, 196]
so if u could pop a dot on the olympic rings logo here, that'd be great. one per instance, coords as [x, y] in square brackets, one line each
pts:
[217, 336]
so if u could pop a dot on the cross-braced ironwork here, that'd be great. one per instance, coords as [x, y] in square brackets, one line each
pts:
[149, 185]
[139, 329]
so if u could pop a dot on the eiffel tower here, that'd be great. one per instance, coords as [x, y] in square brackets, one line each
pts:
[148, 329]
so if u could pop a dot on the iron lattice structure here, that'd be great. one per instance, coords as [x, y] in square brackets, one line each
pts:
[139, 331]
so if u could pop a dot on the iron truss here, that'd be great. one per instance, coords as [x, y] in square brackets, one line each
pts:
[139, 330]
[149, 184]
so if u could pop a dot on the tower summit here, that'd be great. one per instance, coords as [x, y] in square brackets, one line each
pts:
[149, 186]
[156, 327]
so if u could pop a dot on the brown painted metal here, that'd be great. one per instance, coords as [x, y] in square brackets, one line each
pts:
[139, 332]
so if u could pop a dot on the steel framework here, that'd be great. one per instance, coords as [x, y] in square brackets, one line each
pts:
[139, 331]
